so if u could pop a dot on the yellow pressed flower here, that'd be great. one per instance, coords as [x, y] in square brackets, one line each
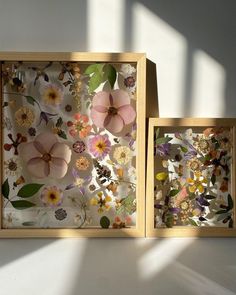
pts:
[99, 194]
[101, 201]
[24, 117]
[108, 199]
[52, 95]
[161, 176]
[82, 163]
[93, 202]
[198, 183]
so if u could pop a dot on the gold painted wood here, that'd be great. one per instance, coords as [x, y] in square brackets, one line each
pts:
[140, 60]
[185, 231]
[71, 233]
[71, 56]
[141, 147]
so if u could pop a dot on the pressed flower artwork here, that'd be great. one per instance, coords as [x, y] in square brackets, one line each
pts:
[69, 145]
[193, 177]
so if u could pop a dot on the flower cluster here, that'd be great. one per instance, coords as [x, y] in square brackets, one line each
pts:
[194, 176]
[70, 146]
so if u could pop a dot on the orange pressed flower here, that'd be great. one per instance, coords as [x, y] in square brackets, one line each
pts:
[80, 126]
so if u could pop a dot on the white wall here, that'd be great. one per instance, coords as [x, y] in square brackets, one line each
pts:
[193, 45]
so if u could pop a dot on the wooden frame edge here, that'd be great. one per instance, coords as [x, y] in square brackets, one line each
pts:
[72, 56]
[71, 233]
[151, 231]
[141, 148]
[140, 60]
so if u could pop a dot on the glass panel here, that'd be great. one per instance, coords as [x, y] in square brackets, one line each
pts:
[69, 152]
[193, 177]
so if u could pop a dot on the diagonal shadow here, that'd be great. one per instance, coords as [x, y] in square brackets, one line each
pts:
[206, 25]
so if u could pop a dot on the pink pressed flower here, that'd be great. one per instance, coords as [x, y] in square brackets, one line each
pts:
[45, 156]
[112, 110]
[79, 126]
[99, 146]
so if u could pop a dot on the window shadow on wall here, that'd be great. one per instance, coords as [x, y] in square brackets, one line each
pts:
[209, 26]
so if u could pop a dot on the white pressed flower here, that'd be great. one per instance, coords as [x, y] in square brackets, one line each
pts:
[79, 182]
[127, 70]
[122, 155]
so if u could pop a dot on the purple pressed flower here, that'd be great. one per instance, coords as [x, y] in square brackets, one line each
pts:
[202, 201]
[178, 135]
[174, 210]
[189, 155]
[192, 148]
[44, 116]
[202, 209]
[79, 182]
[163, 149]
[158, 206]
[131, 136]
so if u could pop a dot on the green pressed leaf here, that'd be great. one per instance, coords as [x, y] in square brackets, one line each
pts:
[105, 222]
[209, 197]
[231, 223]
[217, 146]
[22, 204]
[30, 99]
[213, 179]
[62, 134]
[93, 68]
[127, 205]
[28, 223]
[223, 216]
[221, 211]
[110, 74]
[95, 81]
[90, 69]
[59, 122]
[29, 190]
[5, 189]
[213, 140]
[162, 140]
[169, 220]
[192, 196]
[157, 132]
[183, 149]
[207, 158]
[96, 76]
[87, 104]
[192, 222]
[230, 202]
[173, 192]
